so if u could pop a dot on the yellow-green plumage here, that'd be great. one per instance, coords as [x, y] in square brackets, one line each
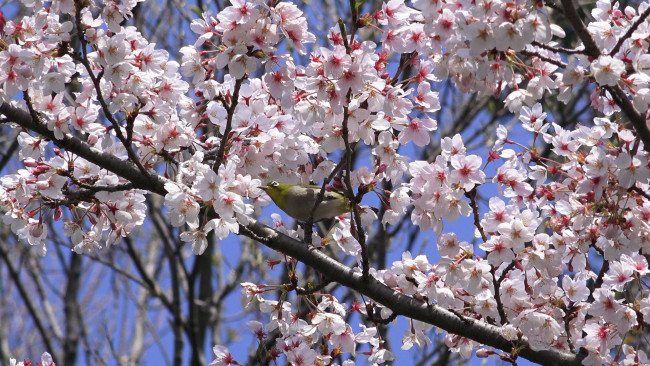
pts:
[297, 201]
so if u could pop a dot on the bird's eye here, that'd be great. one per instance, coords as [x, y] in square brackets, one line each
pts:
[274, 184]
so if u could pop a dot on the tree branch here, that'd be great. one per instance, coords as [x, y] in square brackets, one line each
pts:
[630, 31]
[125, 169]
[399, 303]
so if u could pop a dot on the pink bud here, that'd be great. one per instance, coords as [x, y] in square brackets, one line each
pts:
[484, 352]
[92, 139]
[40, 170]
[58, 213]
[462, 292]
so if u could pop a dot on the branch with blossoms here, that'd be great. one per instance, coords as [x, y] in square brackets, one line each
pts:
[532, 292]
[401, 304]
[150, 182]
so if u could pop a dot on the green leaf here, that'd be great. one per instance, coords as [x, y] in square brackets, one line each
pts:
[196, 10]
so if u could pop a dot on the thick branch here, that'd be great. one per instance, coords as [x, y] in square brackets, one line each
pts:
[125, 169]
[399, 303]
[72, 311]
[637, 119]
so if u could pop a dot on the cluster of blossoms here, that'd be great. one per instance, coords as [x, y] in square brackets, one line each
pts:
[436, 191]
[538, 235]
[532, 283]
[126, 79]
[550, 218]
[301, 342]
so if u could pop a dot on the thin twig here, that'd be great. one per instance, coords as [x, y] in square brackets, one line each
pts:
[230, 109]
[629, 32]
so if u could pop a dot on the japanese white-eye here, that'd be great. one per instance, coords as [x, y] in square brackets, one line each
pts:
[297, 201]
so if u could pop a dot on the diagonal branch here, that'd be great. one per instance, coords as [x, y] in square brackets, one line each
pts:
[125, 169]
[630, 31]
[399, 303]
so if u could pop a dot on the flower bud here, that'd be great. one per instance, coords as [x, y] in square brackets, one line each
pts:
[483, 353]
[92, 139]
[58, 213]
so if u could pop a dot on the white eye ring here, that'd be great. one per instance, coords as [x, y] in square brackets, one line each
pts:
[274, 184]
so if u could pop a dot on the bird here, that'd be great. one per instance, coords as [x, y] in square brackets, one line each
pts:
[298, 200]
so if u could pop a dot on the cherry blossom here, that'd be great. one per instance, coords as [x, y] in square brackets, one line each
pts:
[607, 70]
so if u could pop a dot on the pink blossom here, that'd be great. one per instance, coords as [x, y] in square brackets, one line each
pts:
[417, 131]
[222, 357]
[466, 171]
